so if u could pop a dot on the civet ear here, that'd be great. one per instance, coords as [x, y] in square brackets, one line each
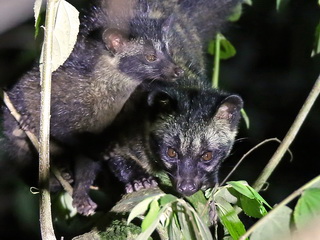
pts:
[229, 110]
[114, 39]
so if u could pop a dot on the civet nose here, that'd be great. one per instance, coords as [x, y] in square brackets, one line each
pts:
[178, 72]
[187, 187]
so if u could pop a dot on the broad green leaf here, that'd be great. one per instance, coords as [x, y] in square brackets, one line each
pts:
[185, 223]
[147, 233]
[203, 228]
[248, 191]
[307, 208]
[258, 197]
[249, 2]
[152, 214]
[166, 199]
[229, 218]
[64, 34]
[241, 188]
[316, 48]
[140, 208]
[197, 198]
[252, 207]
[277, 227]
[173, 228]
[227, 50]
[226, 195]
[236, 14]
[200, 204]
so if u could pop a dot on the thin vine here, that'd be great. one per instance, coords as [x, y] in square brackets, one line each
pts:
[288, 139]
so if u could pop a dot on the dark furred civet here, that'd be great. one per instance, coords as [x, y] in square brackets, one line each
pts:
[187, 132]
[130, 155]
[208, 16]
[190, 128]
[88, 92]
[195, 23]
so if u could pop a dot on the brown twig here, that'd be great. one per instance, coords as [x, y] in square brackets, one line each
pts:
[245, 155]
[277, 156]
[34, 140]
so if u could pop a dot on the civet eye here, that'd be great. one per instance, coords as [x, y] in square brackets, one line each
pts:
[151, 58]
[171, 153]
[207, 156]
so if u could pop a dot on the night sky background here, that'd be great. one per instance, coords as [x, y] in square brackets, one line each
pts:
[273, 71]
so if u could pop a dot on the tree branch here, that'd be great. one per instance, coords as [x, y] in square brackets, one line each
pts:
[276, 158]
[46, 225]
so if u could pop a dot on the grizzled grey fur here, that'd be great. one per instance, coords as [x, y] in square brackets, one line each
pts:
[178, 117]
[185, 131]
[187, 118]
[88, 92]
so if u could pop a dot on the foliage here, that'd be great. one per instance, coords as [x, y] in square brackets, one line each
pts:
[65, 31]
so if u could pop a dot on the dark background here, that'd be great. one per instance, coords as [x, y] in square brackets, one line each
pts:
[273, 71]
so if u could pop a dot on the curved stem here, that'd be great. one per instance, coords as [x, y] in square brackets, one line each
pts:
[215, 78]
[17, 116]
[245, 155]
[277, 156]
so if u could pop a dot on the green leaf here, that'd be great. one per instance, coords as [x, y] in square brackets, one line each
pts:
[200, 204]
[245, 118]
[227, 50]
[173, 228]
[64, 34]
[66, 202]
[316, 48]
[147, 233]
[185, 221]
[228, 238]
[36, 9]
[252, 207]
[167, 199]
[151, 216]
[248, 191]
[229, 218]
[241, 188]
[203, 228]
[140, 208]
[37, 17]
[307, 208]
[226, 195]
[276, 227]
[236, 14]
[248, 2]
